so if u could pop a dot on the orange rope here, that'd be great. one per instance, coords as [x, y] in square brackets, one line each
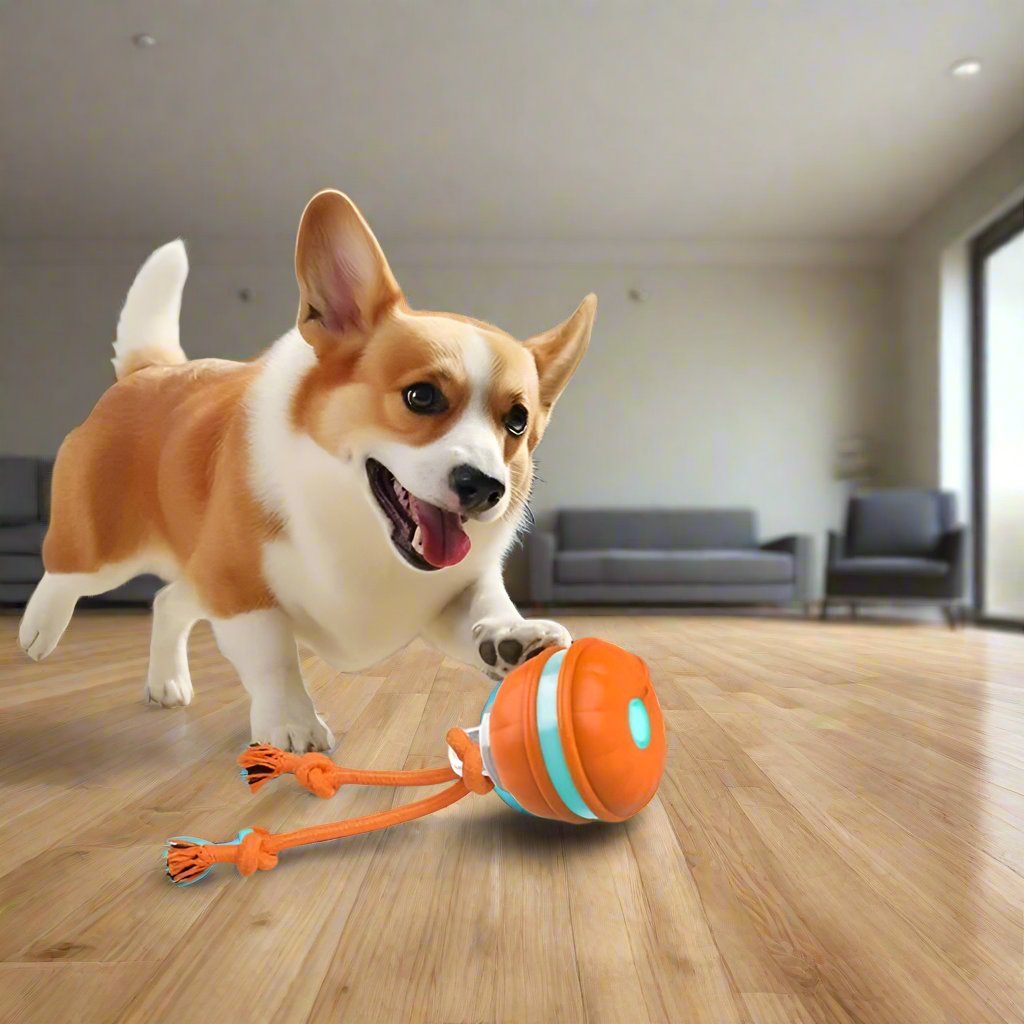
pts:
[255, 849]
[321, 776]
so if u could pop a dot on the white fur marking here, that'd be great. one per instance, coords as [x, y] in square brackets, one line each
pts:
[333, 568]
[148, 325]
[175, 611]
[271, 433]
[471, 440]
[52, 604]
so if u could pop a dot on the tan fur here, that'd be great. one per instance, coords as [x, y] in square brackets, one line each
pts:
[350, 393]
[162, 465]
[362, 372]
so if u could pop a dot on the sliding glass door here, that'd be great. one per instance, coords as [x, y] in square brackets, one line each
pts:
[998, 418]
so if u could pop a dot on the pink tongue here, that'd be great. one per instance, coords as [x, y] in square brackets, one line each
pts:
[444, 540]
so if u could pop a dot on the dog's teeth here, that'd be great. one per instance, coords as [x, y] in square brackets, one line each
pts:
[403, 499]
[417, 541]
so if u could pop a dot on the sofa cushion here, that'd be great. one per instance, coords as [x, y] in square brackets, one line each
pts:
[21, 568]
[698, 567]
[716, 567]
[579, 567]
[19, 490]
[899, 523]
[655, 529]
[878, 566]
[26, 539]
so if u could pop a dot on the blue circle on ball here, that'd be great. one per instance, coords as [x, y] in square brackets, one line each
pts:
[639, 723]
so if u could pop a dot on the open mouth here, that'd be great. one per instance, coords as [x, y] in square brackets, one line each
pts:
[428, 537]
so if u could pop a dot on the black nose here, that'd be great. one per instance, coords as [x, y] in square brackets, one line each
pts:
[477, 491]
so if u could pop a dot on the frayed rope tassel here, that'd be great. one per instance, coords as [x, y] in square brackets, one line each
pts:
[254, 849]
[190, 859]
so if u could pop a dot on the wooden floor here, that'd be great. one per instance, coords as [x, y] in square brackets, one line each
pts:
[839, 837]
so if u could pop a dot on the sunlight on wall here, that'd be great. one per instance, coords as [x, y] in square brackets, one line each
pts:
[955, 378]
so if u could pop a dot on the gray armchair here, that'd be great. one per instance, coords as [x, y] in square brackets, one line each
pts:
[899, 545]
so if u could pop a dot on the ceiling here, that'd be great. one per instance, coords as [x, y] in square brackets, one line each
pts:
[508, 120]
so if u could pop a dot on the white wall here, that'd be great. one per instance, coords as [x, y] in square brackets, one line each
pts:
[728, 385]
[58, 313]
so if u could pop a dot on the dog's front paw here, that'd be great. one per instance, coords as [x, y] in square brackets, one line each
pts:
[172, 689]
[502, 644]
[301, 733]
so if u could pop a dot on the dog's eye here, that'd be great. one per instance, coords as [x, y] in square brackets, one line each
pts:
[515, 421]
[424, 398]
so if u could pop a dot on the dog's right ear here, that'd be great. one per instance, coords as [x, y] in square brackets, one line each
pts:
[345, 283]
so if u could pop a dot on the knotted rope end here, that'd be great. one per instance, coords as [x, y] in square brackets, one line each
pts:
[190, 859]
[316, 772]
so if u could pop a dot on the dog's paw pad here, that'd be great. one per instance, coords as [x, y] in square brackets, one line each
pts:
[511, 651]
[488, 653]
[503, 645]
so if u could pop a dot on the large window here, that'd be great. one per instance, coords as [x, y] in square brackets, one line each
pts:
[997, 294]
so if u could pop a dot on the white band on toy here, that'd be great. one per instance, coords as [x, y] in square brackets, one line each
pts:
[480, 735]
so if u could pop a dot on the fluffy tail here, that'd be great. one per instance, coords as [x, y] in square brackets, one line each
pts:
[147, 330]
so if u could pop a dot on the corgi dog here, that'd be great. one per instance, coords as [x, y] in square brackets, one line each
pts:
[355, 486]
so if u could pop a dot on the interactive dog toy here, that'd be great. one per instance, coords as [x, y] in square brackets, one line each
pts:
[574, 734]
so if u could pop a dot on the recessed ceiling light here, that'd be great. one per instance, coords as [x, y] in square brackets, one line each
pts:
[966, 68]
[143, 40]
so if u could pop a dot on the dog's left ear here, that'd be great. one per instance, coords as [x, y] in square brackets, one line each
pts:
[345, 283]
[558, 352]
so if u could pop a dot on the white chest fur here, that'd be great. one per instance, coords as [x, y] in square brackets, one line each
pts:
[333, 568]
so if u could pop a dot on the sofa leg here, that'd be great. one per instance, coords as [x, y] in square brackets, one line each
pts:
[952, 618]
[824, 610]
[853, 610]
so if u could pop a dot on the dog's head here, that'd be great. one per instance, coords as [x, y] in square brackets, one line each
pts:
[441, 412]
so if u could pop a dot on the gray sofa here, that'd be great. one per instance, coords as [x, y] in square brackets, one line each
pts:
[24, 513]
[665, 557]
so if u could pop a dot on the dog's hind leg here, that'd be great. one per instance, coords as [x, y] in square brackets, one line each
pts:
[53, 602]
[176, 610]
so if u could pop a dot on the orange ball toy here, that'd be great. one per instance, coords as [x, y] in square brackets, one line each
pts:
[575, 734]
